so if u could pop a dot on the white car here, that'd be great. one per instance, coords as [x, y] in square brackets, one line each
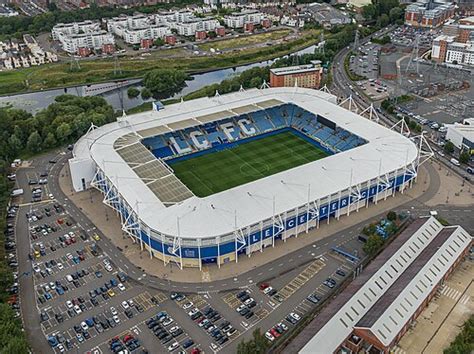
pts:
[248, 301]
[240, 308]
[77, 309]
[121, 287]
[125, 305]
[188, 305]
[131, 303]
[113, 311]
[116, 319]
[69, 278]
[168, 321]
[61, 348]
[84, 326]
[295, 316]
[193, 312]
[173, 329]
[173, 346]
[69, 304]
[267, 290]
[269, 336]
[60, 266]
[52, 285]
[108, 267]
[68, 255]
[36, 268]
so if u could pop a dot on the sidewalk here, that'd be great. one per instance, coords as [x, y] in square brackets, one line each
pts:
[90, 202]
[441, 321]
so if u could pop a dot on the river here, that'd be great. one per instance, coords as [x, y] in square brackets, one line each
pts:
[34, 101]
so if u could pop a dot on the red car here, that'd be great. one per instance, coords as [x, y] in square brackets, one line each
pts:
[274, 332]
[127, 338]
[263, 286]
[195, 351]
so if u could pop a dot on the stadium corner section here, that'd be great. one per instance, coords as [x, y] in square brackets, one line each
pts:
[163, 216]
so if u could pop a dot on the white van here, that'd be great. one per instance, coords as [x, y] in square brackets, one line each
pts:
[455, 162]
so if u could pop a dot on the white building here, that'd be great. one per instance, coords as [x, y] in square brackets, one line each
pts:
[462, 135]
[74, 28]
[238, 19]
[168, 17]
[134, 36]
[117, 25]
[94, 40]
[190, 27]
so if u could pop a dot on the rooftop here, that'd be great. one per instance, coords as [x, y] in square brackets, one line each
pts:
[385, 152]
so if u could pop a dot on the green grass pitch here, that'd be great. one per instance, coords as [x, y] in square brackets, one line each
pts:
[217, 171]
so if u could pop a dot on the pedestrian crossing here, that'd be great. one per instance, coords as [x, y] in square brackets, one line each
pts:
[455, 295]
[397, 350]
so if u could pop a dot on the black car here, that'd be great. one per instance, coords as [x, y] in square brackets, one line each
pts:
[341, 273]
[187, 343]
[249, 315]
[129, 313]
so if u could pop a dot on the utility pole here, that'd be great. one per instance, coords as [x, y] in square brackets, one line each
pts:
[117, 68]
[414, 55]
[355, 46]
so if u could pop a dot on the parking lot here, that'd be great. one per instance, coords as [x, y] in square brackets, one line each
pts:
[365, 61]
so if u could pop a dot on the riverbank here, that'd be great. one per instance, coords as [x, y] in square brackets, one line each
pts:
[103, 70]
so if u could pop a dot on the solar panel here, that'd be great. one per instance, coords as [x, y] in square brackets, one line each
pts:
[125, 140]
[183, 124]
[269, 103]
[135, 154]
[153, 131]
[152, 170]
[170, 189]
[246, 109]
[215, 116]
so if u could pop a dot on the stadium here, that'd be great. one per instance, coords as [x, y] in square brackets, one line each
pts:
[213, 179]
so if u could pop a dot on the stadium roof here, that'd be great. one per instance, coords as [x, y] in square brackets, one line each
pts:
[389, 291]
[115, 148]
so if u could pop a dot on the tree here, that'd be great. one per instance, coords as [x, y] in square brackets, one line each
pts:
[63, 132]
[449, 147]
[34, 142]
[369, 12]
[158, 42]
[464, 341]
[464, 157]
[146, 94]
[50, 141]
[391, 216]
[164, 83]
[133, 92]
[383, 20]
[373, 244]
[395, 14]
[257, 345]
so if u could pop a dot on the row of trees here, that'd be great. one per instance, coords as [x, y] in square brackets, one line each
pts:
[257, 345]
[64, 121]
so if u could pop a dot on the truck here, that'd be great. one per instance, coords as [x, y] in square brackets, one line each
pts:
[16, 192]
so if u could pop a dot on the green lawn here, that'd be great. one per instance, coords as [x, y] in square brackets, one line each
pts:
[217, 171]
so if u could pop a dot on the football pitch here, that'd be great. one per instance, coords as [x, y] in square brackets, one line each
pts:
[220, 170]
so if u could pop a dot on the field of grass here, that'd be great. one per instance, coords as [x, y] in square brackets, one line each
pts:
[218, 171]
[246, 40]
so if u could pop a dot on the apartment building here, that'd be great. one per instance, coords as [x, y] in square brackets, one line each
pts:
[190, 27]
[238, 19]
[428, 13]
[92, 40]
[308, 76]
[136, 35]
[74, 28]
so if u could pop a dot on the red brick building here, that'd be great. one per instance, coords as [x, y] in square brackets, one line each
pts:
[84, 51]
[146, 43]
[249, 27]
[309, 76]
[266, 23]
[108, 48]
[171, 40]
[220, 31]
[200, 35]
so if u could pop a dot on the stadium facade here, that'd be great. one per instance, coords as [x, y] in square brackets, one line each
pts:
[128, 161]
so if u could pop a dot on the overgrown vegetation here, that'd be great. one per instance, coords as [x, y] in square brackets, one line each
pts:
[379, 232]
[464, 341]
[382, 41]
[383, 12]
[164, 83]
[257, 345]
[133, 92]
